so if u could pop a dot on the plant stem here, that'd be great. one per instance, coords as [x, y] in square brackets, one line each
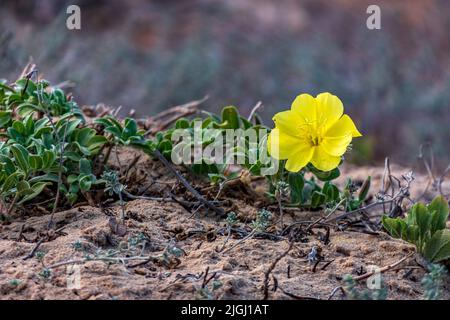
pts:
[11, 207]
[186, 184]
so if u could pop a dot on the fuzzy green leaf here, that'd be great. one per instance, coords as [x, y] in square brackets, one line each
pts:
[422, 219]
[5, 118]
[438, 247]
[325, 175]
[296, 183]
[21, 155]
[439, 214]
[393, 226]
[35, 162]
[331, 191]
[36, 189]
[317, 199]
[10, 182]
[85, 167]
[85, 183]
[230, 116]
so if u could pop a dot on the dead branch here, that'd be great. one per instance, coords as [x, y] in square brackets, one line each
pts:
[271, 267]
[383, 269]
[186, 184]
[165, 118]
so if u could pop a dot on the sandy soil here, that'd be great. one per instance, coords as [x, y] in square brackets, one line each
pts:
[156, 228]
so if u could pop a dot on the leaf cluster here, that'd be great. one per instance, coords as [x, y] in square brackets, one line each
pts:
[425, 227]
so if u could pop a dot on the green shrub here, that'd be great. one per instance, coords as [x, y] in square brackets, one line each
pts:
[425, 227]
[47, 147]
[46, 143]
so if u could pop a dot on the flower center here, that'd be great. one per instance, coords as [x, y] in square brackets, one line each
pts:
[315, 140]
[312, 132]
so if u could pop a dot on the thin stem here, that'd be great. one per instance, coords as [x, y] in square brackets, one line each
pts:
[250, 235]
[186, 184]
[11, 207]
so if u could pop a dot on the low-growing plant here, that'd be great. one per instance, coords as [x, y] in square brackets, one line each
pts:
[47, 147]
[15, 282]
[46, 143]
[433, 281]
[353, 293]
[262, 221]
[425, 227]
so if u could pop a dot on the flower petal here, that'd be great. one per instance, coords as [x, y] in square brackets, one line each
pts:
[343, 127]
[324, 161]
[305, 106]
[299, 159]
[289, 122]
[329, 109]
[336, 146]
[282, 145]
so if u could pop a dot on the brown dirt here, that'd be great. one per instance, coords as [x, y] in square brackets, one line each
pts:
[240, 271]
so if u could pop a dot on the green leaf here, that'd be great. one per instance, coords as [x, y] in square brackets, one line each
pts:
[325, 175]
[9, 166]
[393, 226]
[410, 233]
[422, 218]
[114, 131]
[216, 178]
[84, 135]
[71, 197]
[85, 166]
[36, 189]
[103, 121]
[308, 189]
[48, 158]
[22, 187]
[49, 177]
[29, 125]
[10, 182]
[130, 128]
[21, 155]
[35, 162]
[439, 214]
[331, 191]
[5, 118]
[247, 124]
[438, 247]
[67, 127]
[71, 155]
[317, 199]
[85, 183]
[19, 127]
[96, 142]
[296, 183]
[165, 146]
[83, 149]
[230, 116]
[182, 123]
[26, 108]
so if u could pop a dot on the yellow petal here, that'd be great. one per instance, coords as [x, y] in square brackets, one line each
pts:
[299, 159]
[288, 121]
[329, 109]
[305, 105]
[336, 146]
[343, 127]
[281, 145]
[324, 161]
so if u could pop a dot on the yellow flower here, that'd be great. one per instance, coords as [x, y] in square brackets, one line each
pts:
[314, 130]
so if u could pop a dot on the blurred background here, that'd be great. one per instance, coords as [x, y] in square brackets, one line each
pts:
[150, 55]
